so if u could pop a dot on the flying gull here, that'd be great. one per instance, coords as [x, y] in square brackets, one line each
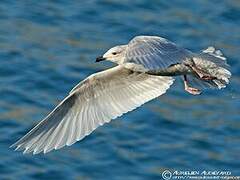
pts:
[146, 68]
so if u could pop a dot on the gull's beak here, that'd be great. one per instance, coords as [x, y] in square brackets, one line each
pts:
[100, 58]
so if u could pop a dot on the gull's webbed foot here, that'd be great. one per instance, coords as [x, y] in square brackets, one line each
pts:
[191, 90]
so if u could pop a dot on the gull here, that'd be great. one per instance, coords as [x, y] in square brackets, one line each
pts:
[146, 68]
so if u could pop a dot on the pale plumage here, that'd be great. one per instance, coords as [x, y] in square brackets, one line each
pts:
[143, 73]
[98, 99]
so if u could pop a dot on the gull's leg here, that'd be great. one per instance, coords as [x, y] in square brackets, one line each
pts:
[201, 74]
[189, 89]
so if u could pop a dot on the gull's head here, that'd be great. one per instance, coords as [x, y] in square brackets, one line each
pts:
[115, 54]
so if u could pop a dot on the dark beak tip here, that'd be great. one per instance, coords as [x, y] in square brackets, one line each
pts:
[100, 58]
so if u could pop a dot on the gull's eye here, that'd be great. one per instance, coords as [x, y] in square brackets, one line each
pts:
[114, 53]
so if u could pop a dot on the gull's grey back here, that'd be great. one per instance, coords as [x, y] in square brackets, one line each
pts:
[155, 52]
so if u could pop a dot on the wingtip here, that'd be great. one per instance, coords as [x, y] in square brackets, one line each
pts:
[215, 52]
[26, 150]
[12, 146]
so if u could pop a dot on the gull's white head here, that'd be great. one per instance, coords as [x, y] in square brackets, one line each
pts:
[115, 54]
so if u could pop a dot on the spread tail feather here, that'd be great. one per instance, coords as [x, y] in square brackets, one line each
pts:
[212, 62]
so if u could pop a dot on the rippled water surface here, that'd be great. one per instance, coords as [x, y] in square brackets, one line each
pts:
[46, 47]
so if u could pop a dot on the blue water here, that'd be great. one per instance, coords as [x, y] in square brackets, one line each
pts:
[46, 47]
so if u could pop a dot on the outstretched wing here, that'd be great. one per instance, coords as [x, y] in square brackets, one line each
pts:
[154, 52]
[96, 100]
